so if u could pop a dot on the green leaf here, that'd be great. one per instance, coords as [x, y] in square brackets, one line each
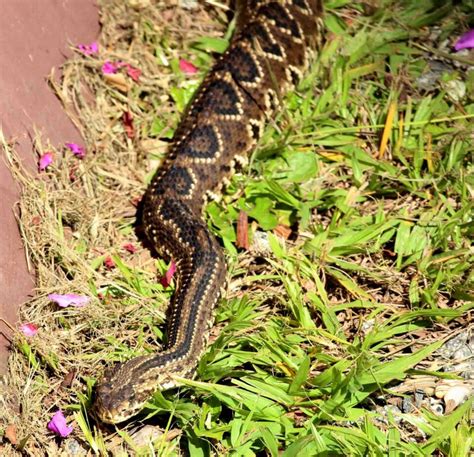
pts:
[301, 376]
[262, 213]
[211, 44]
[395, 369]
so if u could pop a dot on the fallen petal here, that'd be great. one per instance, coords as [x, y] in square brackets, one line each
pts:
[76, 150]
[187, 67]
[69, 300]
[133, 72]
[94, 47]
[127, 119]
[109, 263]
[45, 161]
[465, 41]
[59, 426]
[29, 330]
[89, 49]
[129, 247]
[166, 279]
[110, 67]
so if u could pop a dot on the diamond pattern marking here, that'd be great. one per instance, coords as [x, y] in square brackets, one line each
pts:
[242, 66]
[224, 99]
[179, 179]
[202, 144]
[283, 20]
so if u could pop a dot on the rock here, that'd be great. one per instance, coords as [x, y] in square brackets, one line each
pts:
[455, 396]
[146, 435]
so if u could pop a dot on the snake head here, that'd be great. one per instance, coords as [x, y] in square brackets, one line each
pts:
[123, 391]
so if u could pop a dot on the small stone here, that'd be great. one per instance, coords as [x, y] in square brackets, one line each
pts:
[465, 369]
[455, 396]
[367, 326]
[462, 353]
[71, 447]
[444, 386]
[436, 407]
[429, 80]
[146, 435]
[454, 344]
[394, 411]
[260, 242]
[407, 405]
[419, 395]
[456, 89]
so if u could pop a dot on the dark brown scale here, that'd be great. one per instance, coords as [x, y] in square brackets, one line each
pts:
[177, 178]
[277, 13]
[223, 122]
[202, 143]
[241, 65]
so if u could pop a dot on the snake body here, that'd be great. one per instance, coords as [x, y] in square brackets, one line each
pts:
[222, 124]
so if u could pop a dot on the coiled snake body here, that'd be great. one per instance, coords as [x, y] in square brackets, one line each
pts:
[222, 124]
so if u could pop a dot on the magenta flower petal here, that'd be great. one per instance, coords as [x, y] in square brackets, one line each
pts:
[59, 426]
[465, 41]
[166, 279]
[133, 72]
[45, 161]
[29, 330]
[109, 263]
[69, 300]
[110, 67]
[77, 150]
[129, 247]
[187, 67]
[89, 49]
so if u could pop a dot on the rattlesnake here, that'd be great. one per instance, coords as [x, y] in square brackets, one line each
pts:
[222, 124]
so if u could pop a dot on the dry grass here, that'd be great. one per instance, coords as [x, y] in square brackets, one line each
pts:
[79, 212]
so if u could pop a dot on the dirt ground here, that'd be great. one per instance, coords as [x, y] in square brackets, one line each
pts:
[35, 38]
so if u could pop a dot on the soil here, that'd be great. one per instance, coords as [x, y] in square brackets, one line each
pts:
[35, 38]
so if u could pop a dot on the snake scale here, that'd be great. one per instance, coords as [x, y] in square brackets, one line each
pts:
[222, 124]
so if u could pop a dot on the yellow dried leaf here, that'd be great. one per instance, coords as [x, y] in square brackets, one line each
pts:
[118, 81]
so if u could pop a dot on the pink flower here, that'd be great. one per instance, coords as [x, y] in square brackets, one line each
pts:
[45, 161]
[77, 150]
[89, 49]
[59, 426]
[133, 72]
[110, 67]
[109, 263]
[187, 67]
[166, 279]
[129, 247]
[465, 41]
[29, 330]
[69, 300]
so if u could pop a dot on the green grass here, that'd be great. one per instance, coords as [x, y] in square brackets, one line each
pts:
[371, 177]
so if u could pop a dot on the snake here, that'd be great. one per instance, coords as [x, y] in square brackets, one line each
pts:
[266, 57]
